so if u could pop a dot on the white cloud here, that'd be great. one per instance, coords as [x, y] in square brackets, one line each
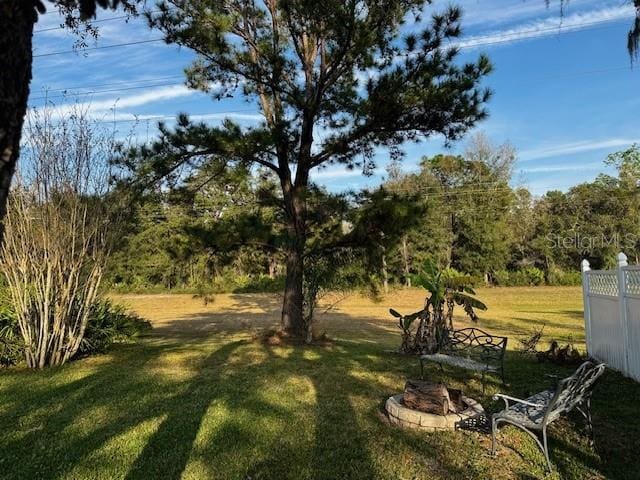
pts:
[243, 117]
[151, 96]
[550, 26]
[335, 173]
[575, 147]
[247, 117]
[563, 168]
[101, 107]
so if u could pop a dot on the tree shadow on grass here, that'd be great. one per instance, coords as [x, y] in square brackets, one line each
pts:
[48, 426]
[248, 410]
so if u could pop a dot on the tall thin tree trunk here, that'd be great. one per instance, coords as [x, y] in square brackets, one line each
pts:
[405, 259]
[273, 266]
[17, 18]
[385, 273]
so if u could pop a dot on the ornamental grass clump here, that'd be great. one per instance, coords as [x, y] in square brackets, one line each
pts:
[59, 223]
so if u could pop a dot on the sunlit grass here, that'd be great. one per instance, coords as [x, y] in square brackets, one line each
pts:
[200, 399]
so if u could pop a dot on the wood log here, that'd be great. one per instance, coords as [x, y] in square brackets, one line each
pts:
[428, 397]
[566, 355]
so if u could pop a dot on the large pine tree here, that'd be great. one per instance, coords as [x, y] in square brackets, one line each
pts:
[335, 81]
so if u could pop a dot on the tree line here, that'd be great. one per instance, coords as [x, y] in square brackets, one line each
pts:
[457, 211]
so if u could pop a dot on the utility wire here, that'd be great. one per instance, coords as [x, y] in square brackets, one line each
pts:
[102, 47]
[102, 20]
[92, 92]
[61, 27]
[70, 91]
[507, 37]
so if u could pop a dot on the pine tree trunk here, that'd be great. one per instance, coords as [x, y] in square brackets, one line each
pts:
[17, 19]
[292, 306]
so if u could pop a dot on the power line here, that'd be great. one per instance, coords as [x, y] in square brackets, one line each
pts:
[111, 84]
[102, 20]
[61, 27]
[150, 83]
[64, 95]
[102, 47]
[507, 37]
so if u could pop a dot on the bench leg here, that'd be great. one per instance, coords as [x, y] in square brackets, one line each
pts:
[494, 428]
[546, 448]
[543, 445]
[585, 411]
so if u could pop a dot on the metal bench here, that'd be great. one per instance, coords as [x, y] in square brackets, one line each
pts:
[471, 349]
[538, 411]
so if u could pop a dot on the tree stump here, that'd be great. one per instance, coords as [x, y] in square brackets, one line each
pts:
[430, 397]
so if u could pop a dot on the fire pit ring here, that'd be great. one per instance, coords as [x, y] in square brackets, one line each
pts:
[406, 417]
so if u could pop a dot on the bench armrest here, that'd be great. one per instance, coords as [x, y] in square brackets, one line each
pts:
[506, 399]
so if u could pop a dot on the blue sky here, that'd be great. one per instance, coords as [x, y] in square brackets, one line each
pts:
[564, 93]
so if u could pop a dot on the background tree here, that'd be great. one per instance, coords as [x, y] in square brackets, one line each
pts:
[477, 198]
[302, 61]
[17, 21]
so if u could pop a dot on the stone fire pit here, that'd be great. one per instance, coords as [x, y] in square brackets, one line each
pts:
[400, 414]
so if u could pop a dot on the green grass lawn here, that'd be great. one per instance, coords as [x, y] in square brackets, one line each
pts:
[199, 399]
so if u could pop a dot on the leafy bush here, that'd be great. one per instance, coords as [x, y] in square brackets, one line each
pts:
[10, 341]
[501, 278]
[562, 278]
[227, 282]
[110, 323]
[231, 282]
[532, 276]
[528, 276]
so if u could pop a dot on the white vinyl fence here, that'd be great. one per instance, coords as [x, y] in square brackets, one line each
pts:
[612, 315]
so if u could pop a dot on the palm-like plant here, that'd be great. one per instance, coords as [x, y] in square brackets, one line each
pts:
[447, 288]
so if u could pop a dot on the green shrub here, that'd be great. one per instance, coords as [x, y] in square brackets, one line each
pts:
[562, 278]
[110, 323]
[261, 284]
[227, 282]
[501, 278]
[10, 342]
[533, 276]
[524, 277]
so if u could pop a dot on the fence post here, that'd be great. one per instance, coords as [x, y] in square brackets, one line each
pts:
[585, 267]
[622, 307]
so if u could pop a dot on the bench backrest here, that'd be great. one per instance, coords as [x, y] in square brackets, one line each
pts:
[473, 342]
[574, 390]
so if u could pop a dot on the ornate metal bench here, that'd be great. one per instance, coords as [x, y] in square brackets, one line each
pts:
[538, 411]
[471, 349]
